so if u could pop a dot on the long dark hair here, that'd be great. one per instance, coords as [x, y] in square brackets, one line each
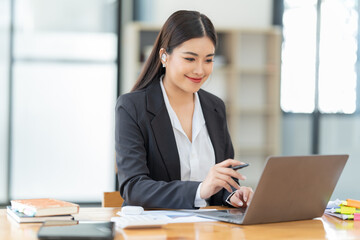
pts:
[179, 27]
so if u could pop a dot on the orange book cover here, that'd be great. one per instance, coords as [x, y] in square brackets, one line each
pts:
[44, 207]
[353, 203]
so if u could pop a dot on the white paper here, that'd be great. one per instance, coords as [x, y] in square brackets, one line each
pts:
[177, 216]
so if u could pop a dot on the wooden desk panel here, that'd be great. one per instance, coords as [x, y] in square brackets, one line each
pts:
[321, 228]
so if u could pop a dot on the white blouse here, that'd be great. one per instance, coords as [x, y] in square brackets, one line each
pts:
[196, 156]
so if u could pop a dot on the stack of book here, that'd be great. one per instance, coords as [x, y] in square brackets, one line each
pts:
[41, 210]
[346, 210]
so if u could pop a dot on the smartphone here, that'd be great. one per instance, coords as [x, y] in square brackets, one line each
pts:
[240, 166]
[77, 230]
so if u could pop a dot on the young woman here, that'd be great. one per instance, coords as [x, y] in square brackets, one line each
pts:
[173, 148]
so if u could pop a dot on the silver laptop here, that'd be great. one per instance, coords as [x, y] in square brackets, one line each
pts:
[290, 188]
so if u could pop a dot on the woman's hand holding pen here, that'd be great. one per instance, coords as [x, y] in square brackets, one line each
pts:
[221, 176]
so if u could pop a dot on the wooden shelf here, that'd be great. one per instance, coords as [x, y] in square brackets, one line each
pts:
[251, 71]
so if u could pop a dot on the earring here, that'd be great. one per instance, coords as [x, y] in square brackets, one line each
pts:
[163, 57]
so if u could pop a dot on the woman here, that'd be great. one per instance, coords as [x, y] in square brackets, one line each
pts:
[173, 147]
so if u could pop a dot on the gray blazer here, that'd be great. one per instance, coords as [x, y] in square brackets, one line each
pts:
[146, 152]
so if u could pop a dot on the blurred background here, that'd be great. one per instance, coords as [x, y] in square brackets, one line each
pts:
[288, 71]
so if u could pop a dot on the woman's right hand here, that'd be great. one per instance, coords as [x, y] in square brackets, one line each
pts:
[221, 176]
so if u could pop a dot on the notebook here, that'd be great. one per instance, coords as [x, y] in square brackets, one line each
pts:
[290, 188]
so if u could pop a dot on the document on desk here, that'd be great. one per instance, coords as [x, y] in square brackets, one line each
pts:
[173, 216]
[178, 216]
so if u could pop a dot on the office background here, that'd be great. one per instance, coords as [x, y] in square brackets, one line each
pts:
[59, 79]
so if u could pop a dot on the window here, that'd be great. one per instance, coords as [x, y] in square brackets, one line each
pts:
[332, 80]
[63, 99]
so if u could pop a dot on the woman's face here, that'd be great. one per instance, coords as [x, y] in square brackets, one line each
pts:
[189, 65]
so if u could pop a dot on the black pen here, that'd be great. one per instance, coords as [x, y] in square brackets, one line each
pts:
[240, 166]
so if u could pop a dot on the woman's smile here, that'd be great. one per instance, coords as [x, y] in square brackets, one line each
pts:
[195, 80]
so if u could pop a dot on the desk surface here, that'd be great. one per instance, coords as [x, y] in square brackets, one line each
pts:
[320, 228]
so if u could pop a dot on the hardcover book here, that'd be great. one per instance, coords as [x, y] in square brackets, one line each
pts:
[22, 218]
[44, 207]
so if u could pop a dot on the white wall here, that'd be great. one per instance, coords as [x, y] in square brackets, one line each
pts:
[4, 86]
[296, 134]
[341, 135]
[229, 13]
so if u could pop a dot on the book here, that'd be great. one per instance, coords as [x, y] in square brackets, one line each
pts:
[22, 218]
[341, 216]
[44, 207]
[353, 203]
[343, 210]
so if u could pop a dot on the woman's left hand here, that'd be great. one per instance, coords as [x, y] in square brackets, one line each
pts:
[242, 197]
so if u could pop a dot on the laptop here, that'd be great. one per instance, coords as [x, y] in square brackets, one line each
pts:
[290, 188]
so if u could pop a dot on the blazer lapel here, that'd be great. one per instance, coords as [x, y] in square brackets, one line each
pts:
[214, 122]
[163, 131]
